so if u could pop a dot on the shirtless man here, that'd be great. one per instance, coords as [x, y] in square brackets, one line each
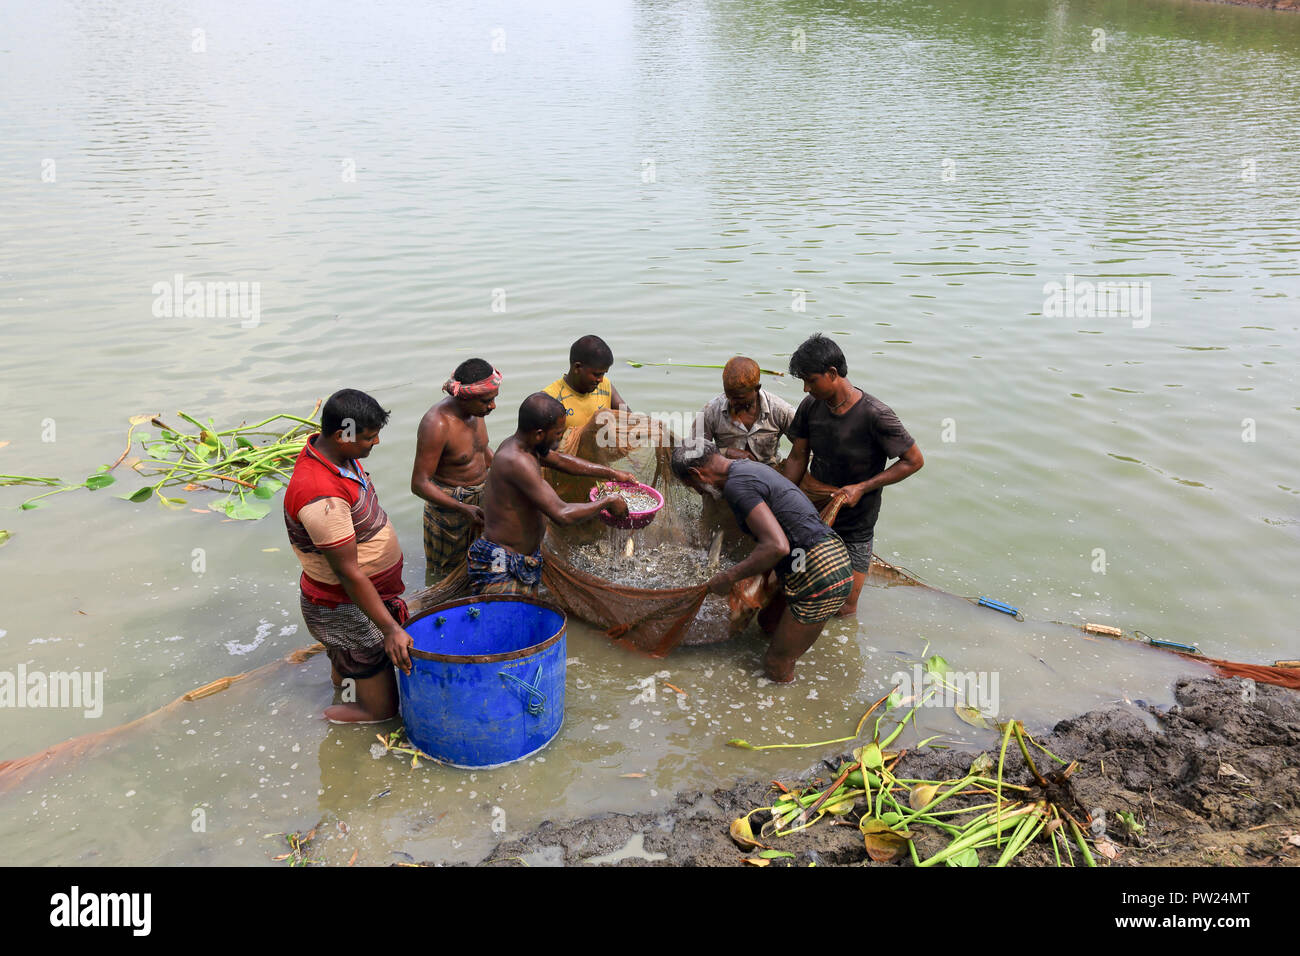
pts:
[507, 559]
[452, 457]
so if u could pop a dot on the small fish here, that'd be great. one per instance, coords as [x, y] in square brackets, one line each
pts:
[382, 793]
[631, 543]
[715, 551]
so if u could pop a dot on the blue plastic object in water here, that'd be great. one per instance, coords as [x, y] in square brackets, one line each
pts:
[486, 686]
[999, 606]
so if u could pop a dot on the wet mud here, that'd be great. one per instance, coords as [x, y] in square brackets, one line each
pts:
[1212, 780]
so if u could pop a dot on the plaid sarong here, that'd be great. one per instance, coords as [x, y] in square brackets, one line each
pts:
[354, 644]
[495, 569]
[447, 533]
[816, 592]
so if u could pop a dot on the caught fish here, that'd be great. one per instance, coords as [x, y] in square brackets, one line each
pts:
[715, 552]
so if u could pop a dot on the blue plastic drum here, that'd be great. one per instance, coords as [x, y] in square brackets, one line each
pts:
[486, 686]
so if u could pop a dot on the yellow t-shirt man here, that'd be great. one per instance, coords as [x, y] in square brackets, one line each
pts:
[579, 409]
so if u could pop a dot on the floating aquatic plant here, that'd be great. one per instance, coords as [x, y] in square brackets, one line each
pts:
[248, 463]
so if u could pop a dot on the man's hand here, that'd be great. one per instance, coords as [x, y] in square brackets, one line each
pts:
[852, 494]
[475, 514]
[738, 454]
[616, 505]
[625, 476]
[396, 644]
[720, 584]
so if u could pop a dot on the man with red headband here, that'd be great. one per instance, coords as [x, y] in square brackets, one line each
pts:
[452, 457]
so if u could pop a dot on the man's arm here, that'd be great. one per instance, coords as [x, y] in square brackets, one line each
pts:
[796, 465]
[343, 562]
[772, 546]
[616, 400]
[542, 496]
[573, 465]
[430, 440]
[911, 462]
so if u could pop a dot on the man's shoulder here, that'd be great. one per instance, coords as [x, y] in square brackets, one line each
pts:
[513, 460]
[555, 388]
[312, 480]
[715, 406]
[777, 404]
[875, 407]
[745, 474]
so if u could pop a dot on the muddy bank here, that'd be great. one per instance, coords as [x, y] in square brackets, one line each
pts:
[1211, 780]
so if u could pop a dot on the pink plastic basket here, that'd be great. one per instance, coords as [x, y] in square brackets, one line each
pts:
[635, 520]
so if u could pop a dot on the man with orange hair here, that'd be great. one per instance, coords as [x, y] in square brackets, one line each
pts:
[745, 421]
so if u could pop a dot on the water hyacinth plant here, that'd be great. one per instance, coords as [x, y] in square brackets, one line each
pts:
[247, 463]
[985, 812]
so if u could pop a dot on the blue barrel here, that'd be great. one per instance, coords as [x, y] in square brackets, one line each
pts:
[486, 686]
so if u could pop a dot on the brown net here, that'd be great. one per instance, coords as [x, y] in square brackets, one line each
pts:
[582, 561]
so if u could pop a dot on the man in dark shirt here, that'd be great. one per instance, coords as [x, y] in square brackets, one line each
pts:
[809, 558]
[851, 435]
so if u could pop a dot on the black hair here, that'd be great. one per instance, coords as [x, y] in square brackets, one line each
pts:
[351, 405]
[591, 351]
[816, 355]
[539, 410]
[472, 370]
[692, 453]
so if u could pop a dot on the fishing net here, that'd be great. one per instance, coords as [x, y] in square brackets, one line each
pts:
[585, 562]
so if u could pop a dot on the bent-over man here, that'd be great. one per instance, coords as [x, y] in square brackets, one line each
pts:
[809, 558]
[507, 558]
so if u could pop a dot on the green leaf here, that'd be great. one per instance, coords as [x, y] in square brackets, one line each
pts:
[937, 665]
[170, 435]
[982, 765]
[246, 510]
[173, 503]
[776, 855]
[742, 744]
[4, 538]
[99, 480]
[967, 857]
[267, 487]
[140, 494]
[243, 442]
[30, 505]
[101, 468]
[872, 758]
[971, 716]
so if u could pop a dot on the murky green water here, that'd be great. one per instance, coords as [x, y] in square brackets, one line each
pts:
[679, 178]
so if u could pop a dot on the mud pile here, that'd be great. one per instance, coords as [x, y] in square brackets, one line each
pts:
[1212, 780]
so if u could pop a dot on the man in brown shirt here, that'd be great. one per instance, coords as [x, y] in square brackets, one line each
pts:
[850, 435]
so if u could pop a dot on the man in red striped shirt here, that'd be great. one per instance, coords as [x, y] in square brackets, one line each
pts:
[351, 582]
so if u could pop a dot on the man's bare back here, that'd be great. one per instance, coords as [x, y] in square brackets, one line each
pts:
[517, 499]
[512, 499]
